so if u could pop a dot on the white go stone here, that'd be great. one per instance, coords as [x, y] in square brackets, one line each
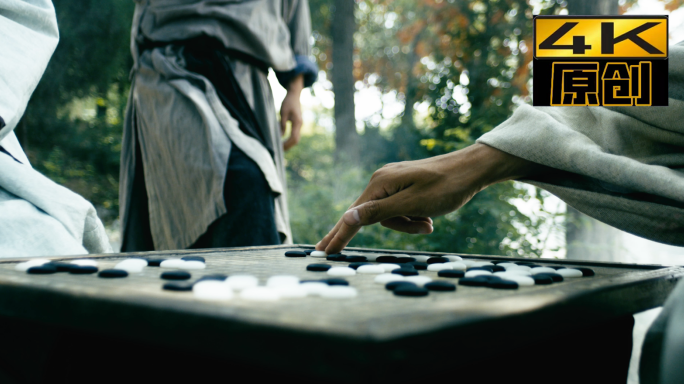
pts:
[523, 281]
[341, 271]
[24, 266]
[212, 290]
[418, 280]
[370, 269]
[439, 267]
[318, 254]
[372, 257]
[133, 262]
[453, 257]
[506, 265]
[518, 267]
[421, 258]
[240, 282]
[481, 263]
[477, 273]
[339, 292]
[468, 263]
[260, 294]
[388, 277]
[193, 264]
[292, 291]
[389, 267]
[314, 288]
[282, 281]
[85, 262]
[172, 263]
[534, 271]
[129, 267]
[457, 265]
[569, 272]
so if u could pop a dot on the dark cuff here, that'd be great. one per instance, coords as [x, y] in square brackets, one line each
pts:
[304, 66]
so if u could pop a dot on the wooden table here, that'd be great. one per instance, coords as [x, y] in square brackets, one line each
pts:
[376, 336]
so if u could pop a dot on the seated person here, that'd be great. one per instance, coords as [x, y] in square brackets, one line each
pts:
[37, 216]
[621, 165]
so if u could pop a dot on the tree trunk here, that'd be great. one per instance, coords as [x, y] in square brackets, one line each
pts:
[343, 27]
[586, 238]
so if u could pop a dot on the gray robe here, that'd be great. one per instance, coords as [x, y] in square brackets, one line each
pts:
[37, 216]
[185, 133]
[622, 166]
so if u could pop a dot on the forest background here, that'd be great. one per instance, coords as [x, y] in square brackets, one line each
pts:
[443, 72]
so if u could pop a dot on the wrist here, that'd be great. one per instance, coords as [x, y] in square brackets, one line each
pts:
[492, 166]
[296, 85]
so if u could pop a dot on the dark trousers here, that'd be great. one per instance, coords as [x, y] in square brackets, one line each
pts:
[250, 205]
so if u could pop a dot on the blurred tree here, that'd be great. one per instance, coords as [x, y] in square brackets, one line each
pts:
[346, 137]
[71, 130]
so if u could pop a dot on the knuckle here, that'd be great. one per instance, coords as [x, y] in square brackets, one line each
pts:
[372, 209]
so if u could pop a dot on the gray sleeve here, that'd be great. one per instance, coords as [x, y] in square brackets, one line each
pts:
[299, 23]
[622, 166]
[29, 37]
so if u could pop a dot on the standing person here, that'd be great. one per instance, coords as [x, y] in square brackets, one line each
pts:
[202, 157]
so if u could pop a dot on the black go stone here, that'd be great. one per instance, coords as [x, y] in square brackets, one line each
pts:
[112, 273]
[355, 259]
[216, 277]
[586, 271]
[178, 286]
[295, 254]
[557, 267]
[318, 267]
[386, 259]
[336, 257]
[193, 258]
[392, 285]
[498, 268]
[411, 291]
[503, 284]
[442, 286]
[335, 281]
[176, 275]
[557, 278]
[418, 265]
[488, 268]
[478, 281]
[407, 266]
[405, 272]
[404, 260]
[451, 273]
[44, 269]
[541, 279]
[82, 269]
[434, 260]
[61, 266]
[154, 262]
[356, 265]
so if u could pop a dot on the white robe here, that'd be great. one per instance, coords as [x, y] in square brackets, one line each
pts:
[37, 216]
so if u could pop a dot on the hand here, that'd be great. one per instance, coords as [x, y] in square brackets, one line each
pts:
[291, 110]
[403, 196]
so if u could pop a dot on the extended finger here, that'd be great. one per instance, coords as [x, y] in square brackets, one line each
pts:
[343, 236]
